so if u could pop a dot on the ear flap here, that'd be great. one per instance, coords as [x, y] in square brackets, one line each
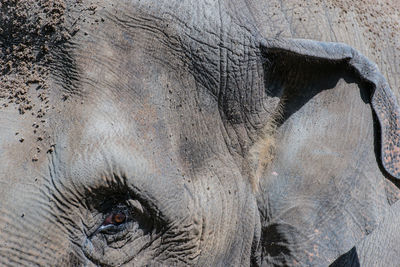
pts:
[324, 192]
[382, 99]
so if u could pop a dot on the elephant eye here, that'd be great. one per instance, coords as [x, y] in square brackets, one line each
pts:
[114, 222]
[120, 213]
[116, 218]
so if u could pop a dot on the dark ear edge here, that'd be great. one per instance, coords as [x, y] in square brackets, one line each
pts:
[383, 100]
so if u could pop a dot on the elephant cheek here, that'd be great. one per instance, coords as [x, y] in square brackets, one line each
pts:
[29, 234]
[230, 223]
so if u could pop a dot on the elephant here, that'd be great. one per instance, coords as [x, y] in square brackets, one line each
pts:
[197, 133]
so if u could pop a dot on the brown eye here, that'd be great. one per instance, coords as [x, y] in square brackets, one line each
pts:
[119, 218]
[115, 219]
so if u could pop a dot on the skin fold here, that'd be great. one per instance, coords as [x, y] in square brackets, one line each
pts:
[144, 133]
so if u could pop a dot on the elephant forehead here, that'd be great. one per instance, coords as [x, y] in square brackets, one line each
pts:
[161, 134]
[120, 135]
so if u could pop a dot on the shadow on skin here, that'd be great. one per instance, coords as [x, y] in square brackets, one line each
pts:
[349, 259]
[296, 81]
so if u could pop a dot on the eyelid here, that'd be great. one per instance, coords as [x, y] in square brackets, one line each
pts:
[105, 227]
[102, 228]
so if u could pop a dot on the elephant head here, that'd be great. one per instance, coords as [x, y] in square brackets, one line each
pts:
[142, 132]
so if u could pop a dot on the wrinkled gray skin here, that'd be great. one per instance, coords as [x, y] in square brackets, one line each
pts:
[380, 248]
[165, 100]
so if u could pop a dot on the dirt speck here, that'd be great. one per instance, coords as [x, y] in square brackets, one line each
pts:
[28, 31]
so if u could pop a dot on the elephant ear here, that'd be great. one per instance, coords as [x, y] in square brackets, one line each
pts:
[324, 190]
[382, 99]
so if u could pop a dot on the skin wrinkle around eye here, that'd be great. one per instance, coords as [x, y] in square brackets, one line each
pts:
[102, 152]
[102, 165]
[118, 235]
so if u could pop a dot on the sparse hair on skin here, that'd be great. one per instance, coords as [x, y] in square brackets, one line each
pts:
[262, 152]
